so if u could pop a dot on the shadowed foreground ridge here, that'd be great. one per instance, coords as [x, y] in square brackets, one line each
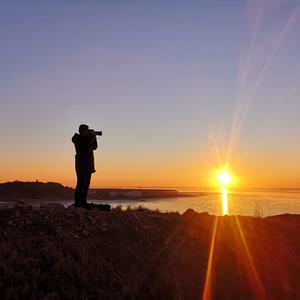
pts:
[57, 253]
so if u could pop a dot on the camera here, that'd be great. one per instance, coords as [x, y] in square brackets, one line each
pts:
[94, 132]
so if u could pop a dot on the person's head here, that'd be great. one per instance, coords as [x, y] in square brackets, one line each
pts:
[83, 129]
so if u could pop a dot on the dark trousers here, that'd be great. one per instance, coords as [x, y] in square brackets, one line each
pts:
[82, 187]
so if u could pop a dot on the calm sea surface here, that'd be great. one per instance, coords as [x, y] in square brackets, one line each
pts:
[255, 202]
[262, 202]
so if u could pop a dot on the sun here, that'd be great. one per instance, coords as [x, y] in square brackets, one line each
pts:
[224, 178]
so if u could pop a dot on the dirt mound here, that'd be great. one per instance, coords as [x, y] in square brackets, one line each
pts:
[57, 253]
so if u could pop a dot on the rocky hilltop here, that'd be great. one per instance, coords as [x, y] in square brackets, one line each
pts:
[57, 253]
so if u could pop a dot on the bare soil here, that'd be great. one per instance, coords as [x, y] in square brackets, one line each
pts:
[58, 253]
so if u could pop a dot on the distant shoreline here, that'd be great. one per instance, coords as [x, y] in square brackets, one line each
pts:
[39, 191]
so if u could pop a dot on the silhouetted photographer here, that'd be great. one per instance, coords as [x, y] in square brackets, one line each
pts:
[85, 143]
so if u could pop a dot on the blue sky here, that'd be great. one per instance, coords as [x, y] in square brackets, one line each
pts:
[152, 75]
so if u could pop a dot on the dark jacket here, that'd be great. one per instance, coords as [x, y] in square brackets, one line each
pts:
[84, 158]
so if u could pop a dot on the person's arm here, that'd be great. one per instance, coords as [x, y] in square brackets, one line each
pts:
[74, 138]
[94, 143]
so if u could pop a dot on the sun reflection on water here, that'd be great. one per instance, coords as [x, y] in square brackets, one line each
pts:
[224, 201]
[224, 179]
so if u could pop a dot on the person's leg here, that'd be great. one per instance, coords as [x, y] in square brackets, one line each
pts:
[79, 188]
[87, 181]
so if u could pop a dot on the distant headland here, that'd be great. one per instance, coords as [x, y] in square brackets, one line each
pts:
[18, 190]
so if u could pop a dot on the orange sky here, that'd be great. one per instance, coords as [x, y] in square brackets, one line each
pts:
[264, 170]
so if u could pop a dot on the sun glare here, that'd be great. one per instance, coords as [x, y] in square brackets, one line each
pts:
[224, 178]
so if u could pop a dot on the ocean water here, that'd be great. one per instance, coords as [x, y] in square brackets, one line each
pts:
[252, 202]
[255, 202]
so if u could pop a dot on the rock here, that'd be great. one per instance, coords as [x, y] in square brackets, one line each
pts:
[29, 222]
[52, 296]
[52, 205]
[74, 235]
[92, 219]
[85, 233]
[71, 207]
[21, 204]
[69, 214]
[27, 206]
[6, 206]
[104, 228]
[189, 212]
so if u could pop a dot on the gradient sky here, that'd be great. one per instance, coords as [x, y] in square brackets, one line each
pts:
[174, 85]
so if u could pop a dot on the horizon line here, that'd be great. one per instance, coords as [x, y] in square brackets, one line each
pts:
[158, 186]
